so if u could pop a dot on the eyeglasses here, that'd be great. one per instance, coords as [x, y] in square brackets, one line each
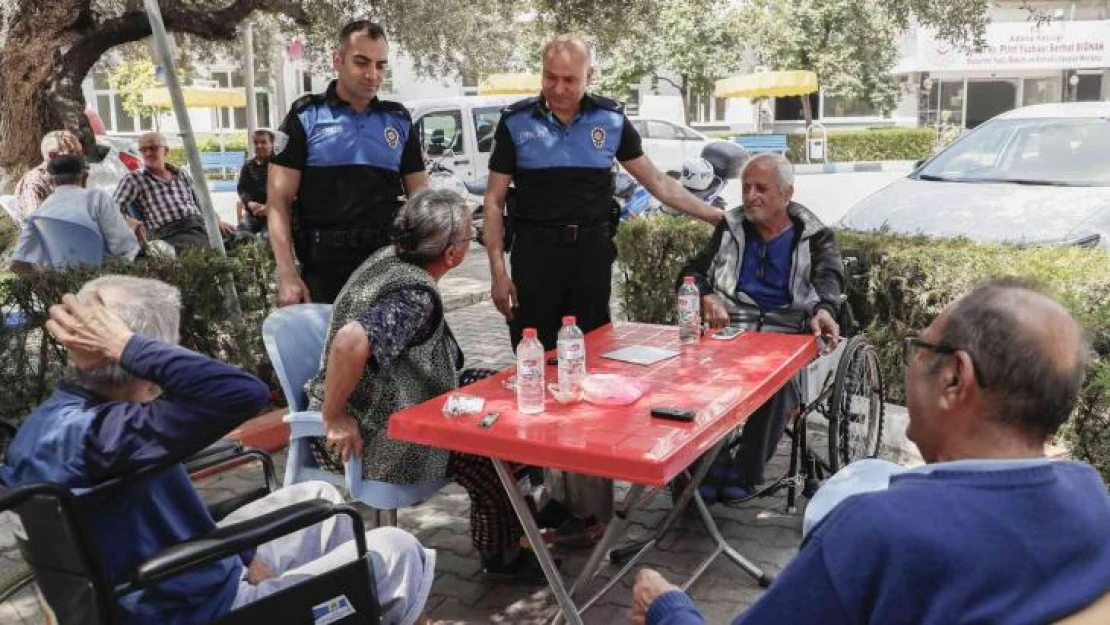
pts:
[150, 148]
[912, 343]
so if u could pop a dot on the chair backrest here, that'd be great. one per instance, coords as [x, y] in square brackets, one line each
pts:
[69, 243]
[294, 337]
[55, 543]
[11, 206]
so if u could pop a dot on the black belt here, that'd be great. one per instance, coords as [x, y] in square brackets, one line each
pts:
[561, 233]
[342, 239]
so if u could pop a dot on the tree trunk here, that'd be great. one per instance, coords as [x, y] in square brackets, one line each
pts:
[806, 112]
[687, 105]
[50, 47]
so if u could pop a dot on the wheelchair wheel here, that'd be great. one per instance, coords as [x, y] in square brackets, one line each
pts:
[855, 406]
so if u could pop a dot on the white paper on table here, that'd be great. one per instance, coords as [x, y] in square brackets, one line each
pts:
[640, 354]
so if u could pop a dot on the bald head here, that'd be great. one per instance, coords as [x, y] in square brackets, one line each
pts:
[1030, 354]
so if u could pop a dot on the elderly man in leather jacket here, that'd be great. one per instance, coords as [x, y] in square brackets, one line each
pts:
[770, 266]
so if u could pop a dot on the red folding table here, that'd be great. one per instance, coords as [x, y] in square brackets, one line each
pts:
[723, 381]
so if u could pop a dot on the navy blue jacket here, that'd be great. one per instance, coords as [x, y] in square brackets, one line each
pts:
[1022, 546]
[79, 440]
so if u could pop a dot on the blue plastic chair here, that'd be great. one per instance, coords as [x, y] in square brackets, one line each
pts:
[68, 243]
[294, 339]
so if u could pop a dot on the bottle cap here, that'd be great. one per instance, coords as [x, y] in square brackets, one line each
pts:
[570, 320]
[688, 280]
[529, 333]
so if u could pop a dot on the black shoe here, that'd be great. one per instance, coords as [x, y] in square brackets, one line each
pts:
[523, 567]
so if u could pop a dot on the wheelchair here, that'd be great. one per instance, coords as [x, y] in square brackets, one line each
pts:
[840, 419]
[221, 455]
[72, 579]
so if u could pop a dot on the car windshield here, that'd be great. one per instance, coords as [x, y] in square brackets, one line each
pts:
[1049, 151]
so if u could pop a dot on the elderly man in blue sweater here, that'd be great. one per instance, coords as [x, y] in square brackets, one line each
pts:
[135, 404]
[989, 531]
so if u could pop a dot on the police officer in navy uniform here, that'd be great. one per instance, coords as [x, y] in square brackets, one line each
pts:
[343, 162]
[558, 151]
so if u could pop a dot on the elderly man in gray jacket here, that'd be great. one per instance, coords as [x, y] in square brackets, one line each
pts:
[771, 266]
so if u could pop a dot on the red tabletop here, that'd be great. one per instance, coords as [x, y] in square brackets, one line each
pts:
[724, 381]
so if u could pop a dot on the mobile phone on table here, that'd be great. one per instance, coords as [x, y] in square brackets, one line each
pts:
[728, 333]
[672, 413]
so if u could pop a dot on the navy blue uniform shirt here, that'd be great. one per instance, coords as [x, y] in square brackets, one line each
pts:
[563, 173]
[351, 163]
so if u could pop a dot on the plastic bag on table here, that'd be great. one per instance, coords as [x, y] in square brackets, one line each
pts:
[612, 389]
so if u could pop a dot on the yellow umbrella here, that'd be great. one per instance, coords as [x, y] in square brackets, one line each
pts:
[498, 84]
[767, 85]
[197, 97]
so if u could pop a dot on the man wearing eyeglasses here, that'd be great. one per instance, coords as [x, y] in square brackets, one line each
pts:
[161, 197]
[990, 530]
[772, 266]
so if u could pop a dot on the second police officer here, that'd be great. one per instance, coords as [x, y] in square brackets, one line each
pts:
[558, 151]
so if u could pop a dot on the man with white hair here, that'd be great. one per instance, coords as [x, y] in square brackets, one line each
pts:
[133, 405]
[771, 265]
[162, 197]
[37, 184]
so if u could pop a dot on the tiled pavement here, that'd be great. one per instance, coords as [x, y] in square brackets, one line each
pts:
[761, 530]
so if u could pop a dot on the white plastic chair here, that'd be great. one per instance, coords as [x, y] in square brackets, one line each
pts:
[294, 337]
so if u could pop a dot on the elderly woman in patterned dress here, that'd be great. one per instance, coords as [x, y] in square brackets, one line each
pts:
[388, 348]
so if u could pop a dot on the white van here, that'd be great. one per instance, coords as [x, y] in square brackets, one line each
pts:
[462, 124]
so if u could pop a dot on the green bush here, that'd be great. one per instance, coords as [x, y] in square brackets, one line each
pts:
[651, 253]
[904, 282]
[875, 144]
[897, 286]
[30, 361]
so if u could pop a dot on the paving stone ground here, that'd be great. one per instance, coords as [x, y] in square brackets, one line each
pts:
[762, 529]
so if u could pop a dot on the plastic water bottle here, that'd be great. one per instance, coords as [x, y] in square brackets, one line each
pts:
[689, 311]
[529, 374]
[572, 356]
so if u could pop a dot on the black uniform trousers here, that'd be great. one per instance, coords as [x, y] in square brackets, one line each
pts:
[561, 271]
[328, 261]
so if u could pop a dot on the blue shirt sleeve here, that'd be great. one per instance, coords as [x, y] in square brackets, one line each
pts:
[673, 608]
[202, 400]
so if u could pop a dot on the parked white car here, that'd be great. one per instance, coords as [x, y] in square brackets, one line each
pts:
[1031, 176]
[465, 124]
[668, 144]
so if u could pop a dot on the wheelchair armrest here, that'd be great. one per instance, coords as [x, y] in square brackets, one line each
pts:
[233, 539]
[215, 453]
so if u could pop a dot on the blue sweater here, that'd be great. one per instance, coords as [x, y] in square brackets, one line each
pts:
[80, 440]
[1015, 546]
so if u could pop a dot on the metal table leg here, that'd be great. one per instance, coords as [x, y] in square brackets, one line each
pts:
[554, 580]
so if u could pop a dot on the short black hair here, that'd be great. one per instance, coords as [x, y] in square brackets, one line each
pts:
[264, 131]
[66, 168]
[369, 27]
[1030, 385]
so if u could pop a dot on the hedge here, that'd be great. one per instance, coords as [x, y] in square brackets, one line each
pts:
[875, 144]
[899, 285]
[30, 361]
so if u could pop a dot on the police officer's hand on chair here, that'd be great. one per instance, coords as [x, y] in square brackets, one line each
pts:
[503, 292]
[713, 311]
[824, 326]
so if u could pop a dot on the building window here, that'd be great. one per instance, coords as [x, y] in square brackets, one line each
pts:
[109, 105]
[387, 81]
[470, 83]
[1042, 90]
[236, 118]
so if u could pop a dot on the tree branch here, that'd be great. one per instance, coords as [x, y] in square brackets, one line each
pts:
[669, 81]
[131, 26]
